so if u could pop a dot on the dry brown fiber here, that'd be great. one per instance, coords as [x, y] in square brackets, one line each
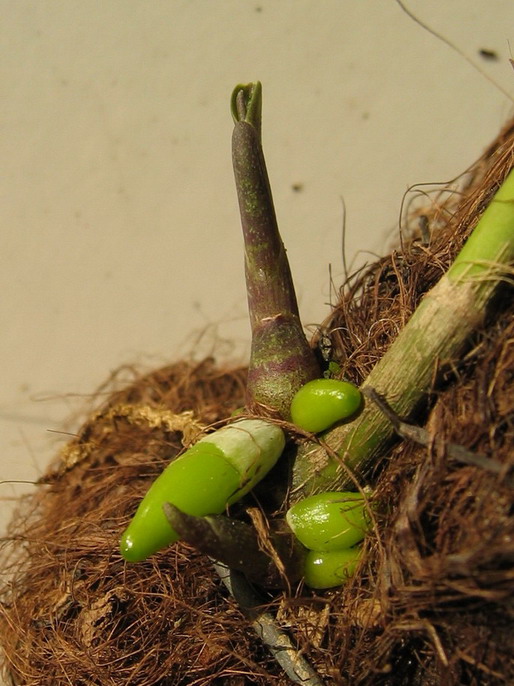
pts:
[433, 602]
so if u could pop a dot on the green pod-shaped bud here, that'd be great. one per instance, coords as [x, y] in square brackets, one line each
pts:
[329, 569]
[215, 472]
[329, 521]
[323, 402]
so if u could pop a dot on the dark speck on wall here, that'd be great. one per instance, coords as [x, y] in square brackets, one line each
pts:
[297, 187]
[489, 55]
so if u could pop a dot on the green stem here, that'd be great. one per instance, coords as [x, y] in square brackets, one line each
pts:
[436, 334]
[490, 246]
[281, 360]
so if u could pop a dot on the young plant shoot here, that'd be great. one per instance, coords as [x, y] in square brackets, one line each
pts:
[281, 360]
[214, 473]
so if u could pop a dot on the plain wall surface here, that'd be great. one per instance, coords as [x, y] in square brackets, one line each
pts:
[119, 221]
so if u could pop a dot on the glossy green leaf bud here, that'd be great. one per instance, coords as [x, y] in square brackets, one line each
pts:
[323, 402]
[215, 472]
[329, 569]
[329, 521]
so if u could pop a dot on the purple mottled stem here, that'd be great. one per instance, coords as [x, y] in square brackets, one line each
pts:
[281, 359]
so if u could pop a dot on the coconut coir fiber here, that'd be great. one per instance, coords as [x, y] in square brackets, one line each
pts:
[433, 602]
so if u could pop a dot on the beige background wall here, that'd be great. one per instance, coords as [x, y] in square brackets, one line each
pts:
[120, 236]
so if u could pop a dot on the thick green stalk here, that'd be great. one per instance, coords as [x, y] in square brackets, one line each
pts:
[490, 246]
[436, 334]
[281, 360]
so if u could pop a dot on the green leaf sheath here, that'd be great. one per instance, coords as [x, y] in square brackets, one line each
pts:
[215, 472]
[436, 333]
[281, 360]
[199, 482]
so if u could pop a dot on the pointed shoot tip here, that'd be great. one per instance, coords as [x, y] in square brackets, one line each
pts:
[246, 103]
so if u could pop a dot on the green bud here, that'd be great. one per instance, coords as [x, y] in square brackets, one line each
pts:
[329, 521]
[329, 569]
[323, 402]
